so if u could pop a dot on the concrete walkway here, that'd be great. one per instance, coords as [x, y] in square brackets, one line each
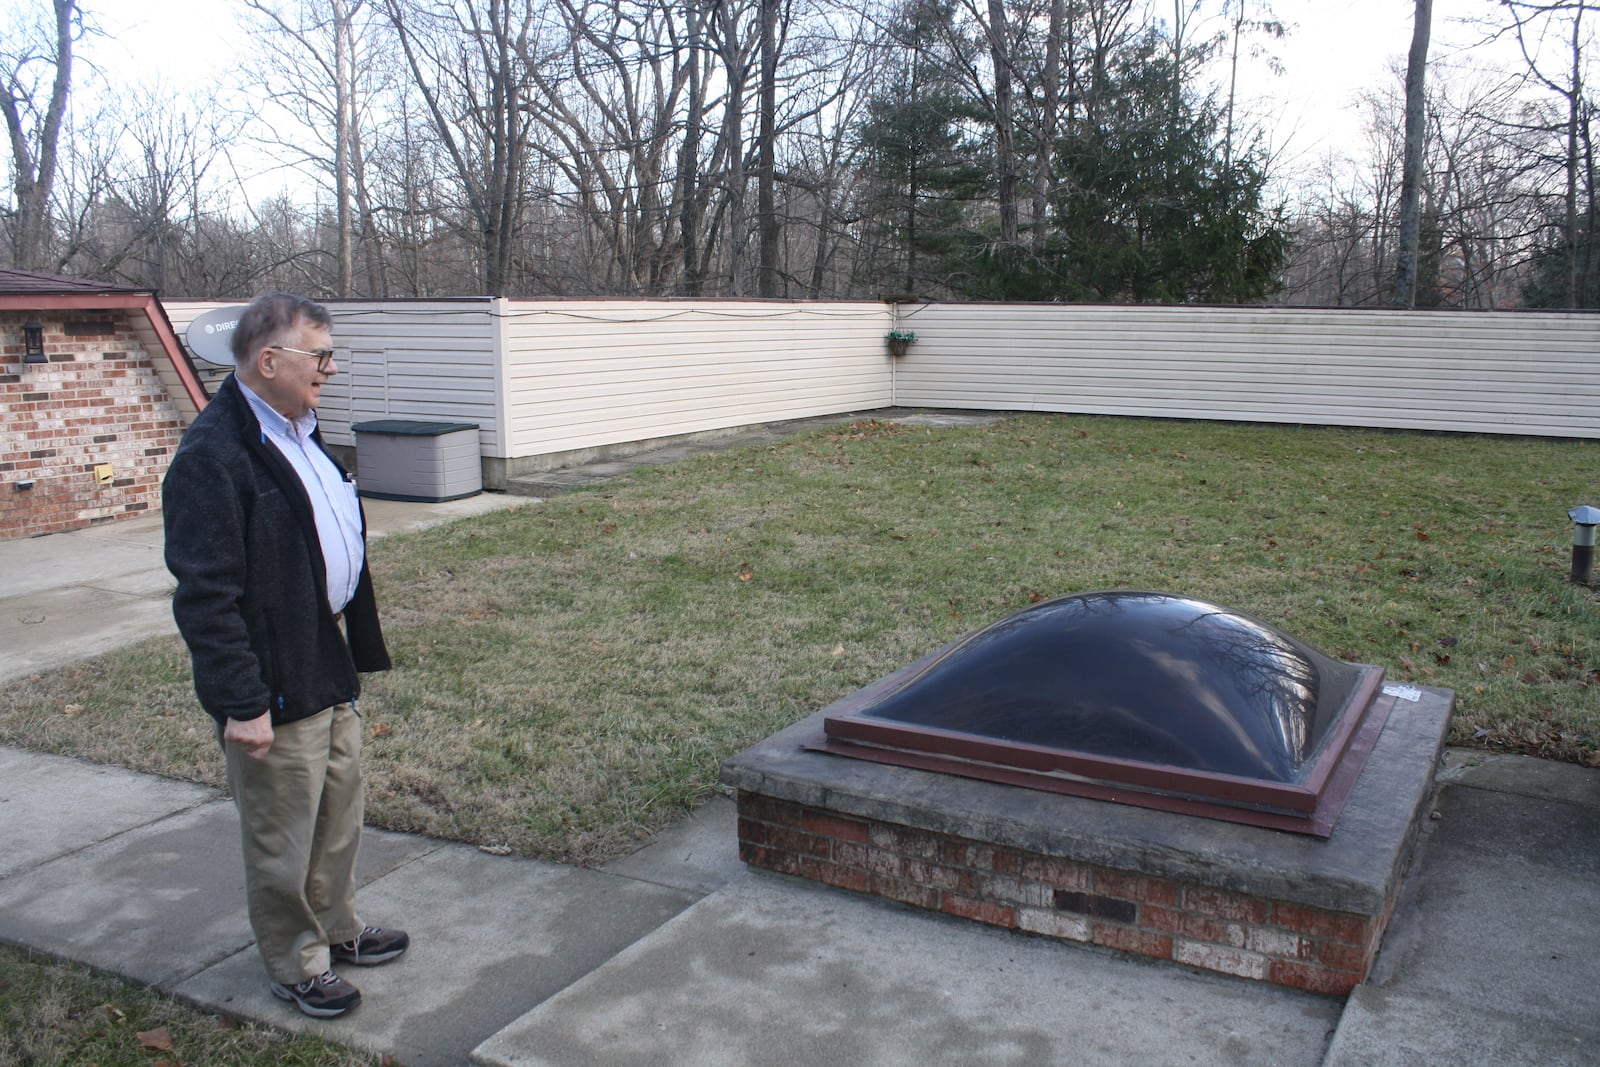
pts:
[677, 954]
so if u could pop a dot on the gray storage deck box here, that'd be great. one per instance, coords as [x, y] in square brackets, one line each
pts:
[399, 459]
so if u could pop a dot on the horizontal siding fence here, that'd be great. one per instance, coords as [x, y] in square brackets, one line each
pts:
[587, 375]
[1487, 372]
[414, 359]
[550, 382]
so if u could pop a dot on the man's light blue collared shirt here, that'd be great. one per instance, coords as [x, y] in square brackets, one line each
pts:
[333, 500]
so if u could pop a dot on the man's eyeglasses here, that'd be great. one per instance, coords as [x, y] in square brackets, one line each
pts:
[324, 357]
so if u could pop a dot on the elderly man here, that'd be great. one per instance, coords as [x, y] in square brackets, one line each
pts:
[267, 540]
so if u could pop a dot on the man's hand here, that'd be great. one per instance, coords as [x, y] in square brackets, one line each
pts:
[253, 736]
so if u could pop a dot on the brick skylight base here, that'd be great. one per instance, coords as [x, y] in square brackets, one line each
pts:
[1286, 908]
[1200, 926]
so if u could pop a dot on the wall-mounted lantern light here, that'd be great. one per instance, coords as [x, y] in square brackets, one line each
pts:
[1584, 520]
[33, 343]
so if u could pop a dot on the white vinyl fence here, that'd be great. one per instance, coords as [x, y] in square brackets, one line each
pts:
[546, 380]
[1488, 372]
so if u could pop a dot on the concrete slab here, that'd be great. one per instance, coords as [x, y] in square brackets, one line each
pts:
[386, 517]
[491, 937]
[159, 902]
[77, 594]
[153, 904]
[51, 806]
[1497, 862]
[777, 972]
[55, 627]
[946, 419]
[589, 466]
[81, 557]
[1522, 776]
[1389, 1029]
[1491, 956]
[700, 854]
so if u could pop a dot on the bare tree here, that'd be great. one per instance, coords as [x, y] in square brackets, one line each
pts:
[1005, 153]
[135, 189]
[609, 108]
[469, 62]
[1405, 282]
[767, 154]
[328, 94]
[1560, 26]
[38, 79]
[1047, 120]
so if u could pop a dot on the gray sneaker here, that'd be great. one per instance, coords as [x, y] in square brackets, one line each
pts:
[324, 996]
[375, 945]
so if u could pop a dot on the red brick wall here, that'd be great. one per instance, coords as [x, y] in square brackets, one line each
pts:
[97, 401]
[1251, 937]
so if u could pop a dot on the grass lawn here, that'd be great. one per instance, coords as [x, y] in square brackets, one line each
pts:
[59, 1013]
[569, 675]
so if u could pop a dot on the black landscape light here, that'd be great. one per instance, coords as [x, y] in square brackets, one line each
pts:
[33, 343]
[1584, 519]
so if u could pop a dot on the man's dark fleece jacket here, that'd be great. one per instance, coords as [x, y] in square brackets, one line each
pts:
[252, 598]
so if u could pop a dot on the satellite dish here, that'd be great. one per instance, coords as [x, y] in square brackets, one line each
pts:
[210, 335]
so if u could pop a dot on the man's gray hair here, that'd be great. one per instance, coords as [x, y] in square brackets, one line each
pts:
[270, 317]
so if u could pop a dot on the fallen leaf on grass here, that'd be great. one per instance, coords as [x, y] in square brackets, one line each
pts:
[157, 1040]
[381, 729]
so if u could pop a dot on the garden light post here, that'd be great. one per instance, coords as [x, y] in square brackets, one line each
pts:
[1584, 519]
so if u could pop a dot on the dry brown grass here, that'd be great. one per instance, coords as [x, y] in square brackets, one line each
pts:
[568, 676]
[55, 1014]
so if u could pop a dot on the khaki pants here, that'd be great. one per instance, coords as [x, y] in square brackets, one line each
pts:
[300, 811]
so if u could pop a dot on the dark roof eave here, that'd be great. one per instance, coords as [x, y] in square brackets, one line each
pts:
[22, 283]
[80, 301]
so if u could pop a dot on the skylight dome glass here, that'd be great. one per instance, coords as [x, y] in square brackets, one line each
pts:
[1190, 705]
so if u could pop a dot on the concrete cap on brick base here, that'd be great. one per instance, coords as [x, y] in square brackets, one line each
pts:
[1355, 870]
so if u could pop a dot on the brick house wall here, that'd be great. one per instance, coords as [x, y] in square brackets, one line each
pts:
[98, 401]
